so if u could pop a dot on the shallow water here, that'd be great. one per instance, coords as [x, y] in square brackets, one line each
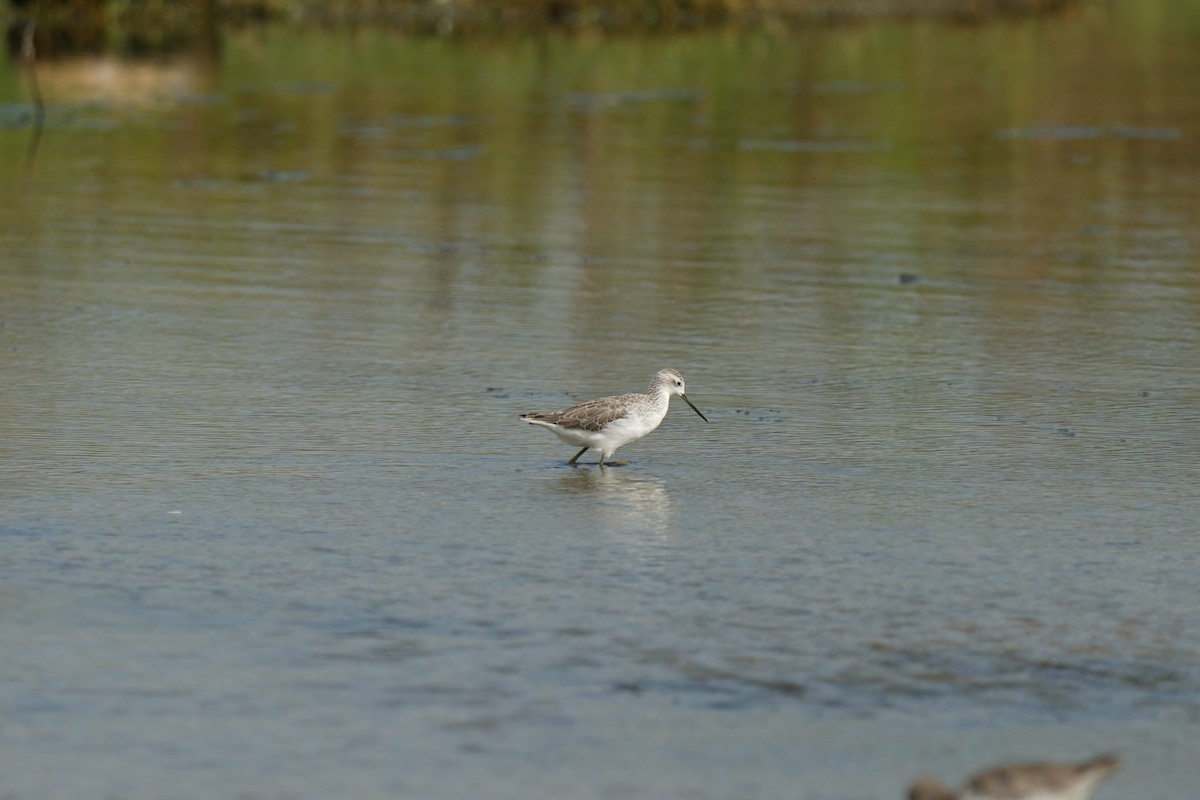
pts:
[271, 528]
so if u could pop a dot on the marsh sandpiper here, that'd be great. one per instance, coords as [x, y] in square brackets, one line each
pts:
[1039, 781]
[611, 422]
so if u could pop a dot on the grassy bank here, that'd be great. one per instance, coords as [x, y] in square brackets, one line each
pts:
[448, 16]
[147, 27]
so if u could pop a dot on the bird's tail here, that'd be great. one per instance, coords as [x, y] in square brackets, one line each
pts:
[1099, 767]
[1105, 763]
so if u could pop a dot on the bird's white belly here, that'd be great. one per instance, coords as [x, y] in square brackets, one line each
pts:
[576, 436]
[1079, 791]
[615, 434]
[621, 432]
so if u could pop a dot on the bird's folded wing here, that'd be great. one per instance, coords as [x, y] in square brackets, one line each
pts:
[590, 416]
[1022, 780]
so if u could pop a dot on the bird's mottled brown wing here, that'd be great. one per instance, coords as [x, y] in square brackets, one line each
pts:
[1011, 781]
[590, 416]
[1020, 780]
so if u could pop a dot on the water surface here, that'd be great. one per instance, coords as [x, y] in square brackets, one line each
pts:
[271, 528]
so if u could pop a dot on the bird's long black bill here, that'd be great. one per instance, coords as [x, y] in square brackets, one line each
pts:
[689, 402]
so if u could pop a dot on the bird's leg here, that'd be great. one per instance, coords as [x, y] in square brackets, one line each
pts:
[577, 455]
[612, 463]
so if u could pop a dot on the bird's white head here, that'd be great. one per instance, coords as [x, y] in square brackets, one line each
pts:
[670, 382]
[667, 380]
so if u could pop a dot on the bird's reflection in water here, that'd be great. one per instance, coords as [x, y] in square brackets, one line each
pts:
[627, 504]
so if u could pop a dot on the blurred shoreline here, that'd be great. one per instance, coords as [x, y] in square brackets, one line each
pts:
[155, 26]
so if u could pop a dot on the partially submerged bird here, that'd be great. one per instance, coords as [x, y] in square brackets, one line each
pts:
[1037, 781]
[612, 422]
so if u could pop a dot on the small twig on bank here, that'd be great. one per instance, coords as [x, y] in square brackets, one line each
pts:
[29, 67]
